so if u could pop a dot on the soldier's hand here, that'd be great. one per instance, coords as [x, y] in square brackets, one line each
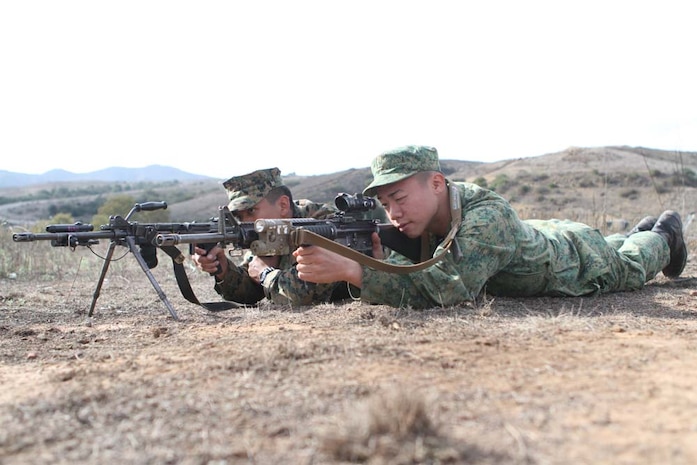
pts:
[378, 251]
[319, 265]
[259, 264]
[213, 262]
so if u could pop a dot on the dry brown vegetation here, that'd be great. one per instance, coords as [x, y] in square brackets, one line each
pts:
[595, 380]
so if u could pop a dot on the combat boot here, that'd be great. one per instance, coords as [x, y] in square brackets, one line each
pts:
[669, 226]
[646, 224]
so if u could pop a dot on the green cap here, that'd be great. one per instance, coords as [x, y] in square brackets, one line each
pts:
[401, 163]
[249, 189]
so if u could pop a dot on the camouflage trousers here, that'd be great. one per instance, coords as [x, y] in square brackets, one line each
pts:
[646, 249]
[602, 264]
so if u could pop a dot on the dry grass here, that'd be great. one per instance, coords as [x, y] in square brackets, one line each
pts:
[392, 428]
[518, 381]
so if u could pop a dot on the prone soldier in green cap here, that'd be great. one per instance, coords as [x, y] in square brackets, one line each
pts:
[262, 194]
[488, 247]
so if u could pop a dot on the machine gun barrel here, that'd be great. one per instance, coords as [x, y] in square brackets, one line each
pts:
[68, 239]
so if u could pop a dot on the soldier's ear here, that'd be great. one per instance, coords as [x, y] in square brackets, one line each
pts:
[284, 204]
[438, 182]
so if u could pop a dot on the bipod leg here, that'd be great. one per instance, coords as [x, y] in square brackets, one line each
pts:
[139, 258]
[105, 267]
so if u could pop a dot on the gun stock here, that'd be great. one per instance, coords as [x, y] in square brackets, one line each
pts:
[394, 239]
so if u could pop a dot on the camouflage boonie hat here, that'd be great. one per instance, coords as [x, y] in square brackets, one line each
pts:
[247, 190]
[401, 163]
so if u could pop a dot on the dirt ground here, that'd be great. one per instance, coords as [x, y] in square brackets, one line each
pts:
[598, 380]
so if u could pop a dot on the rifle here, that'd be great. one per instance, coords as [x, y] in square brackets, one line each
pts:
[263, 237]
[268, 237]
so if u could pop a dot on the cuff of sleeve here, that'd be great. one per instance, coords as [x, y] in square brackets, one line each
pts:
[218, 282]
[267, 275]
[226, 277]
[365, 282]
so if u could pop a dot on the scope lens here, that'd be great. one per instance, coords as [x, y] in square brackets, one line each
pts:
[355, 203]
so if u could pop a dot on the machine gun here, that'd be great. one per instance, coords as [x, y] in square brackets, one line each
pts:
[138, 238]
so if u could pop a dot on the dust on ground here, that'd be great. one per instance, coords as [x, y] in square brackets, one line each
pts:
[608, 379]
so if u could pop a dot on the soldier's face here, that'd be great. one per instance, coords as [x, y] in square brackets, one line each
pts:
[262, 210]
[411, 204]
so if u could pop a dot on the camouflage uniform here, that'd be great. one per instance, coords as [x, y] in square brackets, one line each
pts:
[504, 255]
[281, 285]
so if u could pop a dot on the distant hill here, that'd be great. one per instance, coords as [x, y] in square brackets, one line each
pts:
[596, 185]
[152, 173]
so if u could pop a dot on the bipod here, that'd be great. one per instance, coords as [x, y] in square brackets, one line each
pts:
[130, 242]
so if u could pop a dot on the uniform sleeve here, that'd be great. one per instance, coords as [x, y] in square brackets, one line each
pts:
[237, 286]
[486, 239]
[283, 286]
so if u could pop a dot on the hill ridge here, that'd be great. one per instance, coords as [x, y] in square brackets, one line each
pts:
[154, 173]
[589, 184]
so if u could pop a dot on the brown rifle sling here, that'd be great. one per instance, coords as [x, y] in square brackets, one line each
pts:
[305, 237]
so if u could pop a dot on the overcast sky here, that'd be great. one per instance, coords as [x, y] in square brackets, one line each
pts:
[226, 87]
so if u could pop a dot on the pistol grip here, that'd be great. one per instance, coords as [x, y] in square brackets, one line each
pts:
[208, 246]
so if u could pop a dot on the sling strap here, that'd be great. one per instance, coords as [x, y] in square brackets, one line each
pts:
[185, 287]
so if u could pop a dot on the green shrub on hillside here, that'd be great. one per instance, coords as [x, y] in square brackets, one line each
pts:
[685, 177]
[480, 181]
[77, 209]
[524, 189]
[501, 184]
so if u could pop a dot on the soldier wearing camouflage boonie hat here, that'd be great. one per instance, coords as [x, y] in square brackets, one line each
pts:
[400, 163]
[249, 189]
[279, 283]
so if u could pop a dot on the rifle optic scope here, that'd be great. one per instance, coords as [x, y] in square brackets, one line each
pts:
[354, 203]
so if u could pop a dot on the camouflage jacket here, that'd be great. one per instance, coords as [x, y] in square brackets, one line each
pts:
[504, 255]
[281, 285]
